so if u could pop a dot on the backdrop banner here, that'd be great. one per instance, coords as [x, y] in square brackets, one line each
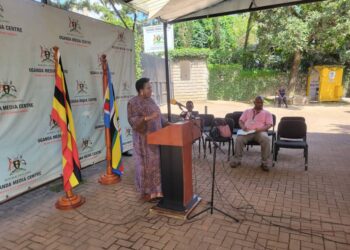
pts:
[30, 143]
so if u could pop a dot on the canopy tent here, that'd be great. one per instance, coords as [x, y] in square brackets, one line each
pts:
[172, 11]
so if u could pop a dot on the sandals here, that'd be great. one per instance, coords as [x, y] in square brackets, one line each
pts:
[147, 198]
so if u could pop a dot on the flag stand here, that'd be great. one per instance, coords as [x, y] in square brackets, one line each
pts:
[70, 201]
[109, 177]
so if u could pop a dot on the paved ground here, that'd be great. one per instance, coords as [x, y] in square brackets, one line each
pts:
[287, 208]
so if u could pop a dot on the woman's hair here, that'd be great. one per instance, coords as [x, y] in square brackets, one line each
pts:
[140, 83]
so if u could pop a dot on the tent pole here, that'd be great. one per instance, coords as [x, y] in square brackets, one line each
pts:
[167, 80]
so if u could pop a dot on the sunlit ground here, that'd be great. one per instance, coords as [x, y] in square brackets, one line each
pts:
[286, 208]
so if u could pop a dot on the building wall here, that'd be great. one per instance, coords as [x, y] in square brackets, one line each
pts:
[153, 67]
[193, 86]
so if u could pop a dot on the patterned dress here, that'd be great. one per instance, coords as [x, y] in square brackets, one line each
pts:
[146, 157]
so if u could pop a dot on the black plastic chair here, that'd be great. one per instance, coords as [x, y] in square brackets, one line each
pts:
[207, 120]
[294, 118]
[270, 132]
[173, 117]
[194, 115]
[291, 134]
[217, 138]
[235, 117]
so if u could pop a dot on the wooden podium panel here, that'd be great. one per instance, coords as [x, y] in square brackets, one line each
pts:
[176, 163]
[177, 134]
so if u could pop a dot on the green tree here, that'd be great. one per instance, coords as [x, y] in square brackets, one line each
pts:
[183, 35]
[319, 32]
[224, 32]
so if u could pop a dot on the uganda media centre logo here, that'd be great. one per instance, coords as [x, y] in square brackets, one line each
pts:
[82, 95]
[52, 133]
[126, 86]
[46, 54]
[16, 164]
[9, 101]
[7, 89]
[81, 87]
[121, 36]
[53, 124]
[74, 34]
[128, 132]
[86, 144]
[74, 25]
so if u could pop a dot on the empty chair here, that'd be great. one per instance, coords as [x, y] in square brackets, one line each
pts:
[229, 115]
[207, 120]
[300, 118]
[173, 117]
[291, 133]
[217, 137]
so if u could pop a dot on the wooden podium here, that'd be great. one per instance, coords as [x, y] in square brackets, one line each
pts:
[176, 164]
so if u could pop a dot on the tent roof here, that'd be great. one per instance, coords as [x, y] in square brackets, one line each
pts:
[173, 11]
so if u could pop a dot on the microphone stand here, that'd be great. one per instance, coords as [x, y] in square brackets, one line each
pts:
[211, 206]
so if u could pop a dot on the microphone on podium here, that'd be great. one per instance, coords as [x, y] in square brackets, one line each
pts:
[174, 102]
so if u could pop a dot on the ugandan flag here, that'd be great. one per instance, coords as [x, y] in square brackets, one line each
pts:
[62, 114]
[111, 120]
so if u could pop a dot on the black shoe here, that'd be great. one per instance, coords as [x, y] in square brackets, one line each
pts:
[265, 168]
[127, 153]
[234, 164]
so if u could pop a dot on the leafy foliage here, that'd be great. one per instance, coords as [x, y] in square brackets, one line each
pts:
[227, 32]
[319, 30]
[189, 53]
[282, 40]
[232, 82]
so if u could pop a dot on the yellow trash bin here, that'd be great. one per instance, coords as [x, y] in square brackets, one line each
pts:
[325, 83]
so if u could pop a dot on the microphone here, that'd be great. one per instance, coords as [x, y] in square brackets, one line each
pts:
[174, 102]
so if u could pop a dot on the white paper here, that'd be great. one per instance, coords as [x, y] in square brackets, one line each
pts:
[242, 132]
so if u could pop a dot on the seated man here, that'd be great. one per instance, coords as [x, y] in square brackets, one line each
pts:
[189, 114]
[281, 96]
[257, 121]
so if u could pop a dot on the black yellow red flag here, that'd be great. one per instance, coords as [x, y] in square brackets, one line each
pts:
[62, 114]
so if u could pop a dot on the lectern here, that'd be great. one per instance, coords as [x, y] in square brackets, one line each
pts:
[176, 163]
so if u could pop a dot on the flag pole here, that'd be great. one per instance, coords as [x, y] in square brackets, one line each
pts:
[109, 177]
[70, 200]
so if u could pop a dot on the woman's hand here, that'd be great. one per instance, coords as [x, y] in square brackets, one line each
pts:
[166, 124]
[154, 115]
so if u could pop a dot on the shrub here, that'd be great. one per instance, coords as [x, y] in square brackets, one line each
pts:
[231, 82]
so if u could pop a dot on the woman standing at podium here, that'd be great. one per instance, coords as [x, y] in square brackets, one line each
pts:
[144, 117]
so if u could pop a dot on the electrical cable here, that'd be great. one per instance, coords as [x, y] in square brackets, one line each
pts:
[312, 233]
[218, 190]
[275, 224]
[317, 233]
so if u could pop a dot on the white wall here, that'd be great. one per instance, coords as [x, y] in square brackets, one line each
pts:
[195, 89]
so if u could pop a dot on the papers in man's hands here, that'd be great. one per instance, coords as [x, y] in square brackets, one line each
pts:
[242, 132]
